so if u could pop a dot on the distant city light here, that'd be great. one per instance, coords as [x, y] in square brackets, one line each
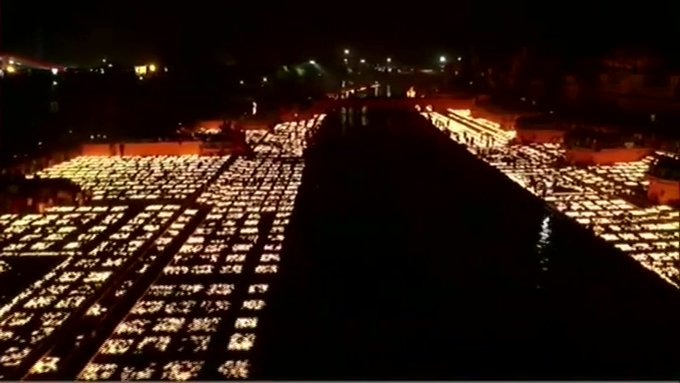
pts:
[11, 69]
[110, 65]
[241, 82]
[166, 69]
[54, 83]
[460, 58]
[389, 59]
[55, 71]
[411, 93]
[11, 62]
[104, 61]
[264, 79]
[345, 60]
[312, 62]
[363, 61]
[152, 67]
[442, 59]
[346, 51]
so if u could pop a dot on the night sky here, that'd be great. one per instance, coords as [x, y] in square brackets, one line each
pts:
[79, 32]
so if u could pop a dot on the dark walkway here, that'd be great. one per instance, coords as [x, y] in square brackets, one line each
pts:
[409, 258]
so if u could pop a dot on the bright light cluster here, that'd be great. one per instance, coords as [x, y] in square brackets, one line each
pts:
[138, 177]
[477, 132]
[217, 281]
[108, 301]
[253, 136]
[191, 302]
[59, 231]
[608, 199]
[208, 231]
[151, 257]
[39, 310]
[289, 138]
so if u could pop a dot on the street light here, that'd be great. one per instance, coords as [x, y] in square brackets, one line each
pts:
[389, 59]
[346, 51]
[460, 58]
[363, 61]
[312, 62]
[442, 59]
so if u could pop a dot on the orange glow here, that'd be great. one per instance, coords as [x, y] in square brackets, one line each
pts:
[665, 192]
[411, 93]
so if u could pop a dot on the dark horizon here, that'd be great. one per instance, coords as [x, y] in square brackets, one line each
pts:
[80, 32]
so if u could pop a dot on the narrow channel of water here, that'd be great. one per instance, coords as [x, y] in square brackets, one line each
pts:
[410, 258]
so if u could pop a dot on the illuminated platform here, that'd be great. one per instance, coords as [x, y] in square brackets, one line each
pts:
[610, 200]
[164, 276]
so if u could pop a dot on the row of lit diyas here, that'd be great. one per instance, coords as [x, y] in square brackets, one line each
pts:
[593, 196]
[138, 177]
[191, 308]
[288, 138]
[58, 231]
[40, 310]
[114, 215]
[50, 362]
[483, 125]
[43, 308]
[193, 314]
[621, 178]
[253, 136]
[476, 138]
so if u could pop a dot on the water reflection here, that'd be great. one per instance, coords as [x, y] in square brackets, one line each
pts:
[347, 119]
[544, 239]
